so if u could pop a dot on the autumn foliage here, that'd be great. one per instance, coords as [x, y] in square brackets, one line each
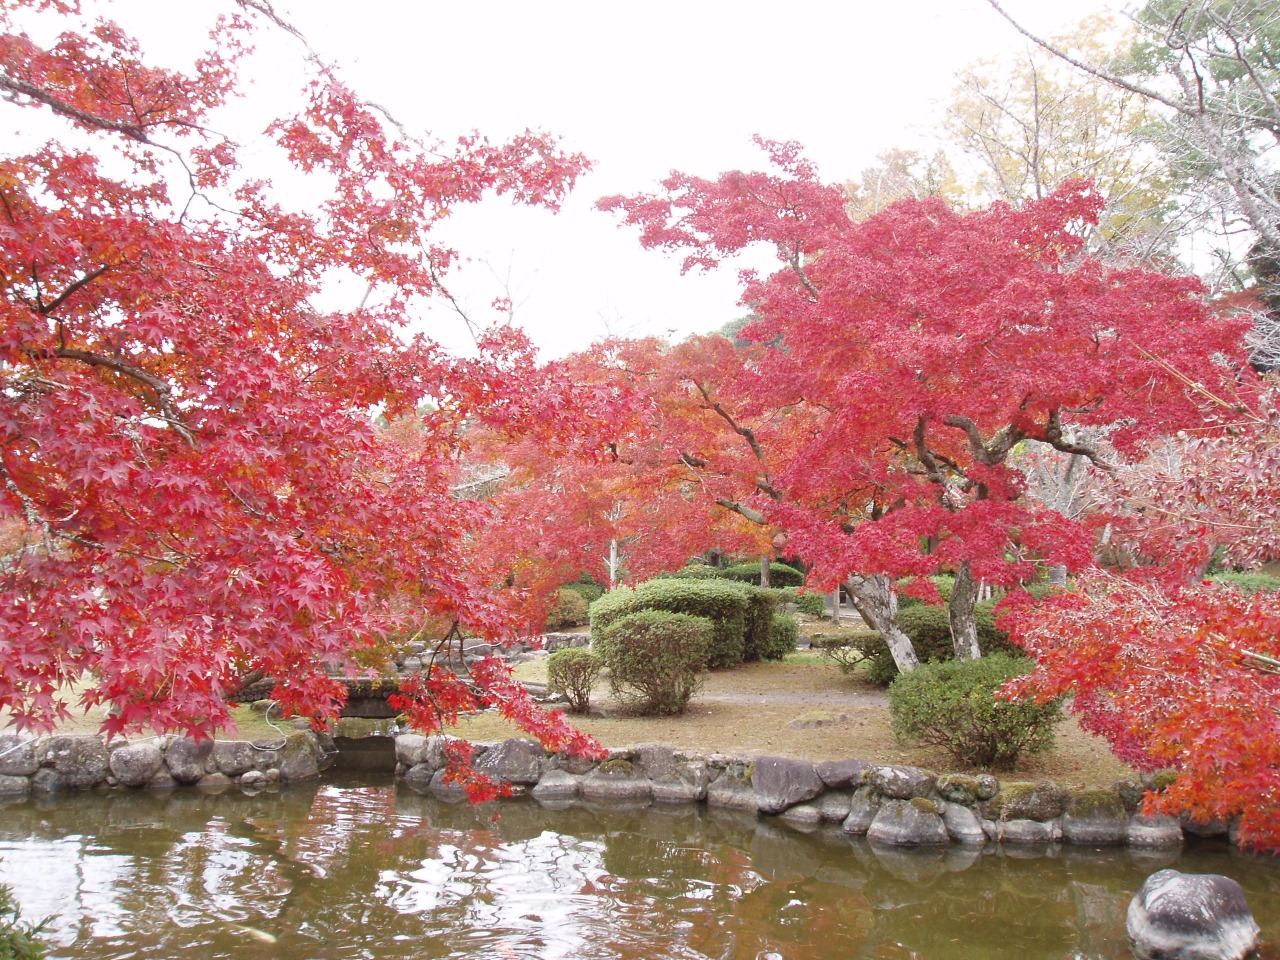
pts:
[191, 475]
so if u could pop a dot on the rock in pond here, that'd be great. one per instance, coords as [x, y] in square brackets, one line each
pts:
[1190, 916]
[909, 823]
[136, 764]
[780, 782]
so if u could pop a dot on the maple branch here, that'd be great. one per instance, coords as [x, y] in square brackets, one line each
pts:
[1053, 436]
[752, 514]
[765, 485]
[164, 393]
[989, 452]
[20, 87]
[44, 309]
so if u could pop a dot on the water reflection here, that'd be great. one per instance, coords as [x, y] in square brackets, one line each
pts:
[338, 871]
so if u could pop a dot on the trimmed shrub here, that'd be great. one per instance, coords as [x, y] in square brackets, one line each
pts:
[570, 610]
[656, 658]
[813, 604]
[1248, 583]
[757, 637]
[588, 590]
[780, 575]
[723, 603]
[849, 649]
[784, 636]
[953, 706]
[695, 571]
[930, 631]
[945, 582]
[572, 671]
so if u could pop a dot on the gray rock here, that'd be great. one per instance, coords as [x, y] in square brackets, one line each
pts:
[518, 761]
[556, 785]
[234, 757]
[1157, 831]
[780, 782]
[80, 760]
[162, 781]
[266, 754]
[185, 758]
[1205, 828]
[1131, 792]
[569, 763]
[298, 758]
[253, 779]
[958, 788]
[412, 664]
[732, 792]
[419, 775]
[436, 754]
[841, 774]
[656, 760]
[1026, 801]
[1022, 831]
[962, 824]
[452, 792]
[215, 783]
[1095, 818]
[46, 780]
[901, 783]
[802, 813]
[14, 786]
[616, 780]
[687, 785]
[136, 764]
[1187, 916]
[18, 756]
[834, 805]
[908, 823]
[863, 807]
[988, 786]
[411, 749]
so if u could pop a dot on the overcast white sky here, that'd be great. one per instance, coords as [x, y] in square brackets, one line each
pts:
[644, 88]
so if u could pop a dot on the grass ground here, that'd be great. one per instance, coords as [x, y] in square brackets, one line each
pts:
[802, 707]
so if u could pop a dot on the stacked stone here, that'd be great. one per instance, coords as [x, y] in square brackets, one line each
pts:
[84, 761]
[890, 805]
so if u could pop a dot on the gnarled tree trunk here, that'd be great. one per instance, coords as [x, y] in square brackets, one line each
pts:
[874, 599]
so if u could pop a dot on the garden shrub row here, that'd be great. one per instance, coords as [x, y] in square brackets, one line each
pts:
[656, 658]
[724, 604]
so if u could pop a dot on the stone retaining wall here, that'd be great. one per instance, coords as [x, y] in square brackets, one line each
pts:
[892, 805]
[83, 761]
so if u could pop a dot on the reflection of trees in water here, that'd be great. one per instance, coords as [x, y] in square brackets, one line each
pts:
[386, 873]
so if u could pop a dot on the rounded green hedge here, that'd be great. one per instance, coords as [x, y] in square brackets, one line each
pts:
[784, 636]
[930, 631]
[780, 575]
[727, 605]
[655, 658]
[570, 610]
[952, 705]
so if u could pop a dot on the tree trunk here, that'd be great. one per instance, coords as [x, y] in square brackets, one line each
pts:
[835, 607]
[764, 570]
[964, 628]
[874, 599]
[614, 563]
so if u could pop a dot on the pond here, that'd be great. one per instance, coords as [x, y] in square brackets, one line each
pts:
[344, 870]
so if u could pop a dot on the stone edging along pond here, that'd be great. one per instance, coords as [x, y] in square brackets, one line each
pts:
[892, 805]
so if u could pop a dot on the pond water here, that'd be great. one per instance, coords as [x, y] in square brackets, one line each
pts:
[343, 870]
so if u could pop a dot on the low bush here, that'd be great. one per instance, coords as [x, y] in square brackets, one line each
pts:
[570, 610]
[813, 604]
[695, 571]
[587, 589]
[19, 940]
[725, 604]
[952, 705]
[784, 636]
[849, 649]
[930, 631]
[655, 658]
[780, 575]
[1247, 583]
[572, 672]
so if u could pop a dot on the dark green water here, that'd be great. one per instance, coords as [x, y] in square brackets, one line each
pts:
[337, 870]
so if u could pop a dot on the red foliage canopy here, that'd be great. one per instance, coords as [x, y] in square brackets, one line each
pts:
[192, 481]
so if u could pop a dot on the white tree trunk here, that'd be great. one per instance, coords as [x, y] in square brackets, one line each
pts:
[964, 629]
[874, 599]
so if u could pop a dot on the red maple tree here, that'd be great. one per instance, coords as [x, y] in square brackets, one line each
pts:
[192, 480]
[900, 360]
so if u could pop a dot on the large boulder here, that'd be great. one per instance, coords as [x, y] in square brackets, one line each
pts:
[411, 749]
[616, 780]
[556, 785]
[780, 782]
[733, 793]
[1160, 830]
[18, 756]
[909, 823]
[840, 774]
[863, 807]
[901, 783]
[518, 761]
[80, 760]
[1026, 801]
[185, 759]
[687, 784]
[299, 758]
[234, 758]
[1188, 916]
[656, 760]
[1095, 818]
[962, 824]
[136, 764]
